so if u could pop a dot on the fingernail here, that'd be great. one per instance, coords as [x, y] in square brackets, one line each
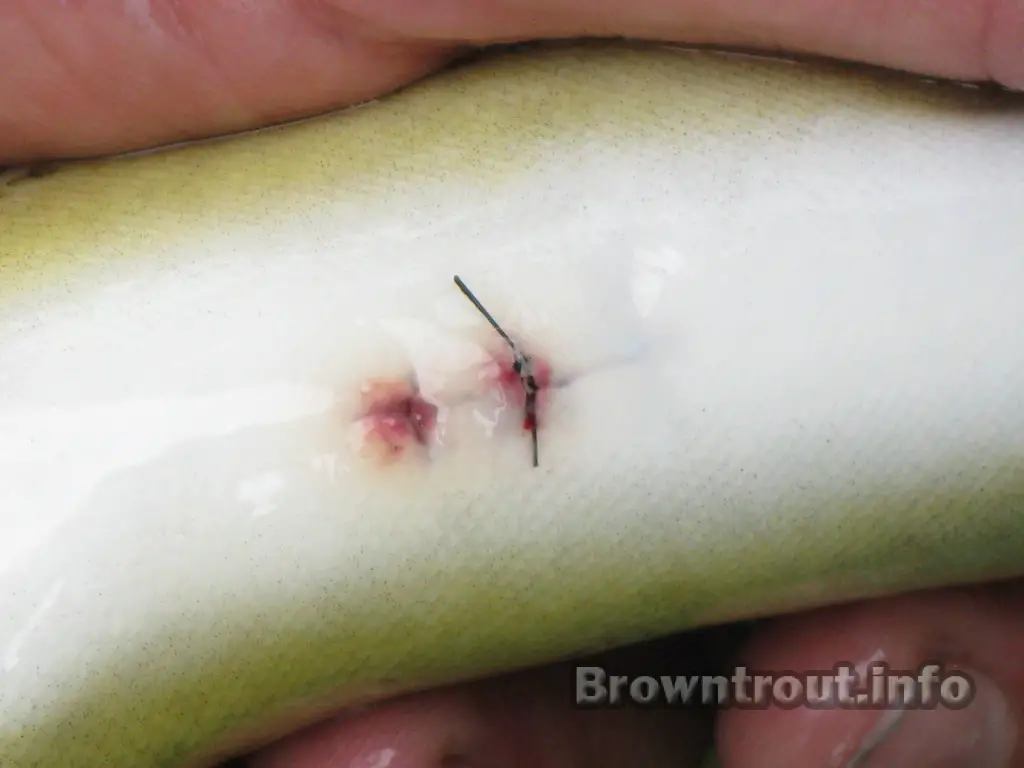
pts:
[979, 735]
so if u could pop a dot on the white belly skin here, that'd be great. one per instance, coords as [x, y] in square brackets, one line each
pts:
[787, 300]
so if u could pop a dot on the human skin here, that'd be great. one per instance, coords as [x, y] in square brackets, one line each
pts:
[84, 77]
[977, 628]
[88, 77]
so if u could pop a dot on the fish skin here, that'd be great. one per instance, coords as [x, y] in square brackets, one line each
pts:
[783, 298]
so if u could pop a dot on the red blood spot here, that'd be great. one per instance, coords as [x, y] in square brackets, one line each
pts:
[395, 417]
[502, 373]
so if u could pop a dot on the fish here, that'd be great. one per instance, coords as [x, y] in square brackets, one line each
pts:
[261, 457]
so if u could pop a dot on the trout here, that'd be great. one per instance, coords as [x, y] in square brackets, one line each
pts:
[261, 455]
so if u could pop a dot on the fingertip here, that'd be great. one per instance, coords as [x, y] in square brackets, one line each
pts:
[93, 79]
[970, 631]
[526, 718]
[1003, 43]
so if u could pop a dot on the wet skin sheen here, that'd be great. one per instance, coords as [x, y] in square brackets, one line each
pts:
[780, 302]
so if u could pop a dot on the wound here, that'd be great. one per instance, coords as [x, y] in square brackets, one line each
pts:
[502, 373]
[522, 374]
[396, 418]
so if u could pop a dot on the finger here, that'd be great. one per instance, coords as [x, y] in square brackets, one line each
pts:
[979, 630]
[84, 78]
[522, 719]
[967, 39]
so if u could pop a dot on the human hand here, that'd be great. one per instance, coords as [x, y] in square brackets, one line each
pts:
[94, 78]
[530, 718]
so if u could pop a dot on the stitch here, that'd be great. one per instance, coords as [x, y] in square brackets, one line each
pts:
[523, 366]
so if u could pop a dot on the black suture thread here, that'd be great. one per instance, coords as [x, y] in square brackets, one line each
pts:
[521, 363]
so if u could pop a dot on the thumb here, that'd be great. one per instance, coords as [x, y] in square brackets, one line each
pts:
[90, 78]
[967, 39]
[84, 79]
